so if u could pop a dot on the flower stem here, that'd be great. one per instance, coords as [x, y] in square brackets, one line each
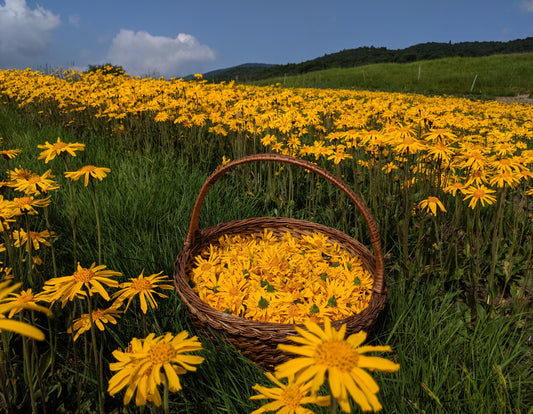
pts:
[8, 242]
[48, 227]
[165, 395]
[491, 296]
[97, 224]
[3, 382]
[333, 406]
[72, 218]
[28, 372]
[29, 248]
[97, 362]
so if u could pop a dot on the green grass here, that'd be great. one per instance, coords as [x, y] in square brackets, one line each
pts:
[489, 76]
[451, 361]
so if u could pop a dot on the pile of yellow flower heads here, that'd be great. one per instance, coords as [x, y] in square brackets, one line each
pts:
[283, 280]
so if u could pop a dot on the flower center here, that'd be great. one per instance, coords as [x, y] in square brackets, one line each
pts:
[88, 168]
[479, 193]
[234, 291]
[83, 275]
[58, 146]
[206, 267]
[141, 284]
[23, 201]
[161, 353]
[432, 199]
[25, 297]
[22, 175]
[97, 314]
[337, 354]
[291, 397]
[34, 179]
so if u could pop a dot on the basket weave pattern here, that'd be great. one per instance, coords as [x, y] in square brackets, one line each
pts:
[258, 340]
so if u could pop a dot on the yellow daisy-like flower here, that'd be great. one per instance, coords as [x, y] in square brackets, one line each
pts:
[144, 288]
[326, 354]
[82, 282]
[339, 154]
[7, 305]
[440, 135]
[453, 187]
[225, 160]
[9, 154]
[409, 145]
[87, 172]
[440, 152]
[505, 178]
[36, 238]
[390, 166]
[431, 204]
[20, 301]
[36, 184]
[8, 210]
[481, 194]
[288, 398]
[28, 203]
[142, 366]
[59, 148]
[100, 316]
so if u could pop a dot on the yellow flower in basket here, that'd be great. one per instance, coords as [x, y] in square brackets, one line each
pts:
[285, 280]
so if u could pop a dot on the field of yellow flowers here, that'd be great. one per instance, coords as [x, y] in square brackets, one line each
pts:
[413, 156]
[448, 179]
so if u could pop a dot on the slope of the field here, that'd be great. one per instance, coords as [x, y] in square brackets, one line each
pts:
[507, 75]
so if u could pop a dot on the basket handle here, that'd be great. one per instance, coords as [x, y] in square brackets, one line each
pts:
[194, 229]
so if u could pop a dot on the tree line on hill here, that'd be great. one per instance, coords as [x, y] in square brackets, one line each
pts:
[370, 55]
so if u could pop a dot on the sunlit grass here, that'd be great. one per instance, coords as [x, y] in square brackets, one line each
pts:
[488, 76]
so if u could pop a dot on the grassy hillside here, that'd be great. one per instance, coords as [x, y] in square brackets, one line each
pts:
[487, 76]
[365, 55]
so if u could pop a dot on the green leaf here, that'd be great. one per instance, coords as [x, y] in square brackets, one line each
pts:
[263, 303]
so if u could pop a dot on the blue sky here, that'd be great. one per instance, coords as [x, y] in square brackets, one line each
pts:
[177, 38]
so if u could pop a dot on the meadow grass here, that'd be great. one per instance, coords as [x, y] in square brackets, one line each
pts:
[452, 360]
[488, 76]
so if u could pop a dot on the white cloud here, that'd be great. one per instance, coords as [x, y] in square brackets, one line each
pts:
[24, 32]
[140, 53]
[527, 5]
[74, 20]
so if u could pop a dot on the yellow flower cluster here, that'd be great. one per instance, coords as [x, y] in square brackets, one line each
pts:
[461, 146]
[285, 280]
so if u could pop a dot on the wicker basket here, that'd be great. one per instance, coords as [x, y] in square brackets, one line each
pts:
[258, 340]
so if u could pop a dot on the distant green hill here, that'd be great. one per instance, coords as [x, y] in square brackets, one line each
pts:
[369, 55]
[482, 77]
